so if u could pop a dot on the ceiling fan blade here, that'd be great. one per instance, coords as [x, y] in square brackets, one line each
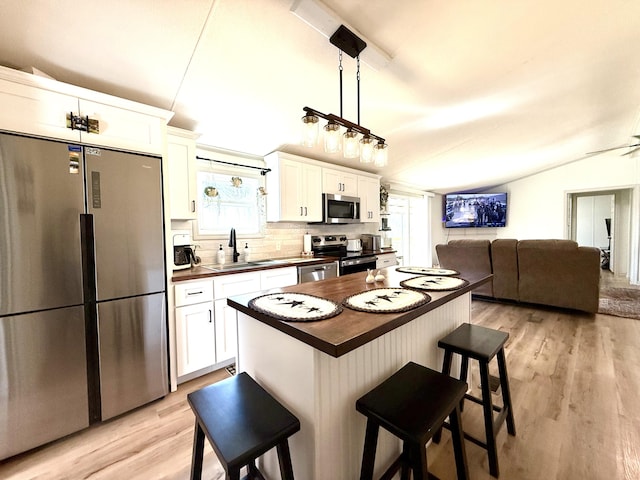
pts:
[616, 148]
[637, 145]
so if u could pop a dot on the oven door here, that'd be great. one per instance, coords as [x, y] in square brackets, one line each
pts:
[359, 264]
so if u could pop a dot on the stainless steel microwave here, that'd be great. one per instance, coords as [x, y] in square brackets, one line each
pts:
[340, 209]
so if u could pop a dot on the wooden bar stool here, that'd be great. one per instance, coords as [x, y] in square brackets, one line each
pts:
[412, 404]
[242, 422]
[482, 344]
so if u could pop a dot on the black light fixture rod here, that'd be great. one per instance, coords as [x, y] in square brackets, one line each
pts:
[343, 122]
[263, 170]
[358, 82]
[340, 70]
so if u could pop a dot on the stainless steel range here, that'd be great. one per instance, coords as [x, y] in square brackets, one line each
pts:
[336, 246]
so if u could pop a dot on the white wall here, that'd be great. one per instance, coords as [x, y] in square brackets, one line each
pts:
[538, 204]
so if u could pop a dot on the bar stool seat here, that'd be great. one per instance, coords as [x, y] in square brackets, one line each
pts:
[412, 404]
[482, 344]
[242, 422]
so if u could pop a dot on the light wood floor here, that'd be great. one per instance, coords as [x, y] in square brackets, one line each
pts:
[574, 383]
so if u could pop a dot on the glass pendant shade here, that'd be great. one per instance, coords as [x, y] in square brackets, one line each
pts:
[350, 146]
[332, 139]
[380, 155]
[366, 149]
[310, 127]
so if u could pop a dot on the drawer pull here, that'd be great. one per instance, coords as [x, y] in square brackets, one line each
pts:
[195, 293]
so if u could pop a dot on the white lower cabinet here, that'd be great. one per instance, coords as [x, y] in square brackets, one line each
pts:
[206, 327]
[279, 277]
[386, 260]
[226, 331]
[195, 336]
[195, 326]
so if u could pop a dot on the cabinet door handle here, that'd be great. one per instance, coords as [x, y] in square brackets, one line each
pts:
[193, 206]
[301, 211]
[305, 211]
[210, 316]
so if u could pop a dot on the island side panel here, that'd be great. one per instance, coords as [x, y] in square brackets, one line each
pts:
[285, 367]
[321, 390]
[341, 381]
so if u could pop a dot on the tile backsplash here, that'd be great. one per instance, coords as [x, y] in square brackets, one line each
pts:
[281, 240]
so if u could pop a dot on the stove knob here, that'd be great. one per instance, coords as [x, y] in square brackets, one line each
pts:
[342, 239]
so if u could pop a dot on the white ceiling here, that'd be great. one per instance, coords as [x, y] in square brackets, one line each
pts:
[477, 93]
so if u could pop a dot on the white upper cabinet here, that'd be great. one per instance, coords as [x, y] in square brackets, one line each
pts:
[369, 193]
[122, 128]
[339, 182]
[35, 111]
[294, 188]
[44, 107]
[181, 158]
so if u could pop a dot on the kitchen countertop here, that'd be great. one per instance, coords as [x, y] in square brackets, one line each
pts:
[213, 270]
[350, 329]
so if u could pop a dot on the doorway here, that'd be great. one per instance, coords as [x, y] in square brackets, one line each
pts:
[408, 224]
[602, 219]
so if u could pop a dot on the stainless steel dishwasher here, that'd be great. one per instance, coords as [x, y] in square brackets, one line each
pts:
[312, 273]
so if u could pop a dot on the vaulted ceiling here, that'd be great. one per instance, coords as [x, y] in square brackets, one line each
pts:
[476, 93]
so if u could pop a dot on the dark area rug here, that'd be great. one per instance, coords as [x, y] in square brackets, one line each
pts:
[621, 302]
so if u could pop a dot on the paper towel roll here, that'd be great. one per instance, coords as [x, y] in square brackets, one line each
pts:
[306, 244]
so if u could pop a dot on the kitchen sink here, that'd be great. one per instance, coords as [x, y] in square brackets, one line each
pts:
[214, 267]
[230, 266]
[270, 262]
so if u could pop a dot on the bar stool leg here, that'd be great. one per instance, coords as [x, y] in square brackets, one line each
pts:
[487, 407]
[253, 470]
[419, 462]
[446, 362]
[197, 453]
[284, 459]
[464, 371]
[369, 453]
[405, 472]
[457, 436]
[506, 392]
[446, 369]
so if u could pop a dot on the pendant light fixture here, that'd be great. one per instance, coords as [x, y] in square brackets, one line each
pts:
[357, 141]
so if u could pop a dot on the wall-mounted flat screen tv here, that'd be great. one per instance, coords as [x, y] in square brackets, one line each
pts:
[468, 210]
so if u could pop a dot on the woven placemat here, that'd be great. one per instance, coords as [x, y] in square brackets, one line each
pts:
[434, 283]
[427, 271]
[386, 300]
[295, 307]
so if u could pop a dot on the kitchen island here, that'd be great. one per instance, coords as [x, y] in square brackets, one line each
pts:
[319, 369]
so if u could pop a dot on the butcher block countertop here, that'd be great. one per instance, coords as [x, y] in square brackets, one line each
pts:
[350, 329]
[214, 270]
[204, 271]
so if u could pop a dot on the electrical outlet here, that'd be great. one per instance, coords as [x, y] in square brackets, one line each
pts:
[278, 246]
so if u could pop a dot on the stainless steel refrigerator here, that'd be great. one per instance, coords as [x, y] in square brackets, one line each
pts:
[83, 322]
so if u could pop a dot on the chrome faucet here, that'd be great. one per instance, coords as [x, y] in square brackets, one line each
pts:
[232, 243]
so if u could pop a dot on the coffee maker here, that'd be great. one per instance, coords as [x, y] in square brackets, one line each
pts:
[183, 251]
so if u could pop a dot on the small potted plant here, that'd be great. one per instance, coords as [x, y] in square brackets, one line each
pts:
[384, 198]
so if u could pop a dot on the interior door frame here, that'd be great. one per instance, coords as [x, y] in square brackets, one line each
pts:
[624, 228]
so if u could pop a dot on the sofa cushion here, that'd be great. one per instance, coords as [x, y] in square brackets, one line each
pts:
[504, 258]
[559, 273]
[472, 258]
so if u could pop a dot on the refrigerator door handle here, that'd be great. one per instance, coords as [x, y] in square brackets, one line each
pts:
[87, 238]
[88, 249]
